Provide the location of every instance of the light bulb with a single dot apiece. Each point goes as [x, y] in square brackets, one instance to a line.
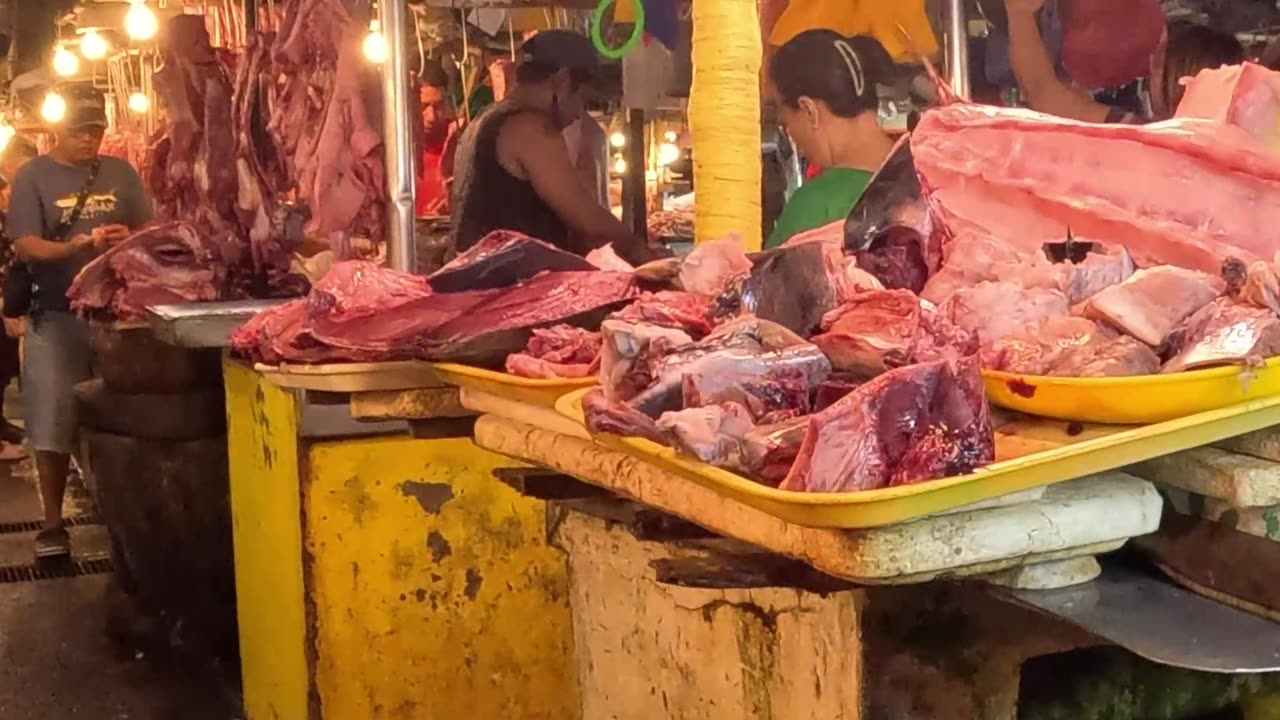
[617, 139]
[54, 108]
[668, 153]
[669, 136]
[140, 22]
[619, 166]
[139, 103]
[65, 63]
[6, 134]
[93, 46]
[375, 45]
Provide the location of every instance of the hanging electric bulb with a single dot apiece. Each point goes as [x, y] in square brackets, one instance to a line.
[617, 139]
[6, 134]
[375, 44]
[65, 62]
[93, 46]
[619, 165]
[668, 153]
[139, 103]
[54, 107]
[140, 22]
[669, 136]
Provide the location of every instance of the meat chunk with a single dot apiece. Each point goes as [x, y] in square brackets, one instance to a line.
[884, 329]
[1243, 95]
[629, 352]
[915, 423]
[1038, 347]
[560, 351]
[790, 286]
[709, 267]
[689, 312]
[501, 325]
[768, 451]
[501, 259]
[712, 434]
[1122, 356]
[1154, 301]
[1225, 333]
[603, 415]
[995, 310]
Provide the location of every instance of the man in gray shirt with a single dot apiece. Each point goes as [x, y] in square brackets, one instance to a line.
[57, 234]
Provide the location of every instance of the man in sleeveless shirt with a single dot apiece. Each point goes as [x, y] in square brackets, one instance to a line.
[513, 170]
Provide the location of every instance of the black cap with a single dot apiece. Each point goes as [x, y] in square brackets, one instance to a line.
[562, 49]
[86, 106]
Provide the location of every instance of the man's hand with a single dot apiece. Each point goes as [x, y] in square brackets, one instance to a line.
[83, 240]
[112, 234]
[1023, 7]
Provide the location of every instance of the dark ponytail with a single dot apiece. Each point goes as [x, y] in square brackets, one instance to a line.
[824, 65]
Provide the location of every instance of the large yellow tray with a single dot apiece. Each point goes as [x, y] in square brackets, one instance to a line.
[542, 392]
[1028, 454]
[1135, 400]
[353, 377]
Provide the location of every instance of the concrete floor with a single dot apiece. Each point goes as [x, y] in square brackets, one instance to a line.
[56, 661]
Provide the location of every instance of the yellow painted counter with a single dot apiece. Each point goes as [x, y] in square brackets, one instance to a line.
[388, 576]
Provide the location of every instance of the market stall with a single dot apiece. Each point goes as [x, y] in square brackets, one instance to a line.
[526, 484]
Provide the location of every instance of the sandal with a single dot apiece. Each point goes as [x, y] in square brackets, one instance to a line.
[53, 543]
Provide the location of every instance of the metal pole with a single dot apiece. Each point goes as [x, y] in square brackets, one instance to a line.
[635, 214]
[398, 137]
[957, 49]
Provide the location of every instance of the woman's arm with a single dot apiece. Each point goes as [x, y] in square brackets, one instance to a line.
[1037, 78]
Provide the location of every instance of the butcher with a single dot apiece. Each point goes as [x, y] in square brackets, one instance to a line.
[439, 131]
[65, 208]
[514, 171]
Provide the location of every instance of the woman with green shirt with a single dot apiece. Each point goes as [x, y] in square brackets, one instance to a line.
[825, 89]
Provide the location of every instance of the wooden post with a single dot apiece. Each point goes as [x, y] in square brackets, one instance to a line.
[724, 116]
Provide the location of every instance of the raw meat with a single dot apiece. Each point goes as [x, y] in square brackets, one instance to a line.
[490, 331]
[1226, 333]
[710, 266]
[790, 286]
[629, 353]
[558, 352]
[1121, 356]
[605, 258]
[768, 451]
[759, 332]
[164, 264]
[883, 329]
[397, 332]
[834, 388]
[270, 336]
[1261, 286]
[684, 311]
[970, 259]
[730, 366]
[1246, 95]
[359, 289]
[1184, 192]
[995, 310]
[770, 397]
[830, 234]
[915, 423]
[1038, 347]
[501, 259]
[1097, 272]
[712, 434]
[890, 230]
[1154, 301]
[602, 415]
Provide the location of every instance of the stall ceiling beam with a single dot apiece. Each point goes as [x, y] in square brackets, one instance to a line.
[398, 131]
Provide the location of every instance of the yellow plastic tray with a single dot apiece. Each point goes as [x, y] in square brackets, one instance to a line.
[353, 377]
[1029, 454]
[1135, 400]
[543, 392]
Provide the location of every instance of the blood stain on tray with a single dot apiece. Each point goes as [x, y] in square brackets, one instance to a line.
[1021, 388]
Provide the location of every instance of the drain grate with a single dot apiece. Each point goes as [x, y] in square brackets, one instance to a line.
[55, 569]
[32, 525]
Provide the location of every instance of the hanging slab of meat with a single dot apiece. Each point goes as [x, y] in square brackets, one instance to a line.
[630, 352]
[1183, 192]
[1154, 301]
[915, 423]
[688, 312]
[789, 286]
[501, 259]
[558, 352]
[1226, 332]
[1246, 96]
[890, 230]
[883, 329]
[710, 266]
[487, 333]
[163, 264]
[712, 434]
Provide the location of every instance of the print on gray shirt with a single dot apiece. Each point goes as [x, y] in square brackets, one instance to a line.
[45, 192]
